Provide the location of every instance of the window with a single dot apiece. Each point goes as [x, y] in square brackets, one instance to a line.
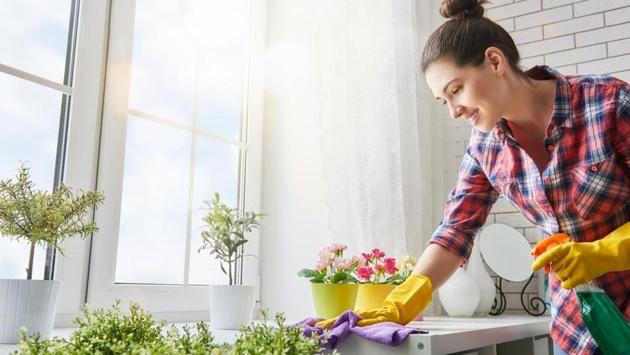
[175, 130]
[36, 89]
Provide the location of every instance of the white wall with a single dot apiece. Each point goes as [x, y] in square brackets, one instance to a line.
[292, 189]
[574, 37]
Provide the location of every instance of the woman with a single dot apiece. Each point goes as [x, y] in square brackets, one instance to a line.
[557, 147]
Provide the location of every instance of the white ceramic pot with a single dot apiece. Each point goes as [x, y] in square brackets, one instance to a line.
[27, 303]
[459, 295]
[231, 306]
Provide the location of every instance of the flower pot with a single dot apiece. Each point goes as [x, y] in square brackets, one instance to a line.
[231, 306]
[27, 303]
[333, 299]
[370, 296]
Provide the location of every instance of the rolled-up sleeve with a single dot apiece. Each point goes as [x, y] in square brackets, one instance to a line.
[466, 208]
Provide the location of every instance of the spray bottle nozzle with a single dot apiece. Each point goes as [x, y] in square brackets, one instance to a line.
[548, 243]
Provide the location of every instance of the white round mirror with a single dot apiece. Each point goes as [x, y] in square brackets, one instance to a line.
[506, 252]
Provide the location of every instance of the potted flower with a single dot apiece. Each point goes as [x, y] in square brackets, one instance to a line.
[40, 218]
[333, 285]
[378, 276]
[231, 305]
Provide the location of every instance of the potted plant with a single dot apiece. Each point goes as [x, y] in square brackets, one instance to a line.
[224, 236]
[333, 285]
[378, 276]
[40, 218]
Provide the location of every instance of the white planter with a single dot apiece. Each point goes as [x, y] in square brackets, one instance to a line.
[231, 306]
[26, 303]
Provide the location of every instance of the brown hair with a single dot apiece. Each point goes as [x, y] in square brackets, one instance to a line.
[466, 35]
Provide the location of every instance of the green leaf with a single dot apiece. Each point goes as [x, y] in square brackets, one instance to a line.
[339, 277]
[308, 273]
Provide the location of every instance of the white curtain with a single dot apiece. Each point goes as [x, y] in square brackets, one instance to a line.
[380, 144]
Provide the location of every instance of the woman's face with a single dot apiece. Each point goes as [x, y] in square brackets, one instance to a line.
[471, 93]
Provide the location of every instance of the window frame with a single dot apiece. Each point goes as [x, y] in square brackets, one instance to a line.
[169, 302]
[82, 145]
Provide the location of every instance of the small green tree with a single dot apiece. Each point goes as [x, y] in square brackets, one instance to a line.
[224, 236]
[41, 217]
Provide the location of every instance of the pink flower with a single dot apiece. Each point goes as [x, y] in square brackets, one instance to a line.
[379, 267]
[357, 261]
[390, 265]
[378, 253]
[338, 248]
[343, 264]
[365, 272]
[320, 267]
[326, 257]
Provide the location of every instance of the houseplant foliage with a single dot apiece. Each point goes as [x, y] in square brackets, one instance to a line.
[108, 331]
[376, 267]
[332, 267]
[43, 217]
[357, 282]
[101, 331]
[225, 235]
[276, 339]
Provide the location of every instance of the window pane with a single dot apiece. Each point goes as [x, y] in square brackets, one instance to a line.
[154, 206]
[183, 49]
[216, 171]
[29, 133]
[162, 66]
[221, 66]
[36, 31]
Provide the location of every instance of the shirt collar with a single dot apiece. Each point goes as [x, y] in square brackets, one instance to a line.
[561, 114]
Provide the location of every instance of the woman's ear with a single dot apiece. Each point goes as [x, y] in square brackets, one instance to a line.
[496, 60]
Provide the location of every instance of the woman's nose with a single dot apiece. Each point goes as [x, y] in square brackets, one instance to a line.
[455, 113]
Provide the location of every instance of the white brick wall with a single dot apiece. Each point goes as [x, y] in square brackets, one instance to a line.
[574, 37]
[584, 37]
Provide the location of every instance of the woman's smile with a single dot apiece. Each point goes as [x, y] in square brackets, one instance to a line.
[473, 117]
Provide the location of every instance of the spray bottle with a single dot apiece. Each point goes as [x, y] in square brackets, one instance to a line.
[602, 318]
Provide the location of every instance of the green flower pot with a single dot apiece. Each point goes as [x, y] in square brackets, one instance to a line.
[333, 299]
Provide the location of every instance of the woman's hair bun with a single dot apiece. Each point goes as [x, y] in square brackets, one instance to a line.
[462, 8]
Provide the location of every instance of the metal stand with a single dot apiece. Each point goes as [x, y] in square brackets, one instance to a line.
[500, 301]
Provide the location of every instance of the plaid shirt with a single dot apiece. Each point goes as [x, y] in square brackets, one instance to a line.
[584, 190]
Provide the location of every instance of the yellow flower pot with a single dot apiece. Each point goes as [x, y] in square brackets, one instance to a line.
[333, 299]
[372, 295]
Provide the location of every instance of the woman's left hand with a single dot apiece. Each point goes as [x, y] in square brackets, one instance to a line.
[576, 263]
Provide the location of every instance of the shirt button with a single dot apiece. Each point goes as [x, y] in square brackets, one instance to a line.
[594, 168]
[550, 147]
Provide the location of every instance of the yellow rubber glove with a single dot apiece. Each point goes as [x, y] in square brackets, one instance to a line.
[577, 263]
[401, 306]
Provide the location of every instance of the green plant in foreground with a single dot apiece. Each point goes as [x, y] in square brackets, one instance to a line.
[41, 217]
[108, 332]
[263, 338]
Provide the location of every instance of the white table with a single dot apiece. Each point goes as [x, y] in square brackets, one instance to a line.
[506, 334]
